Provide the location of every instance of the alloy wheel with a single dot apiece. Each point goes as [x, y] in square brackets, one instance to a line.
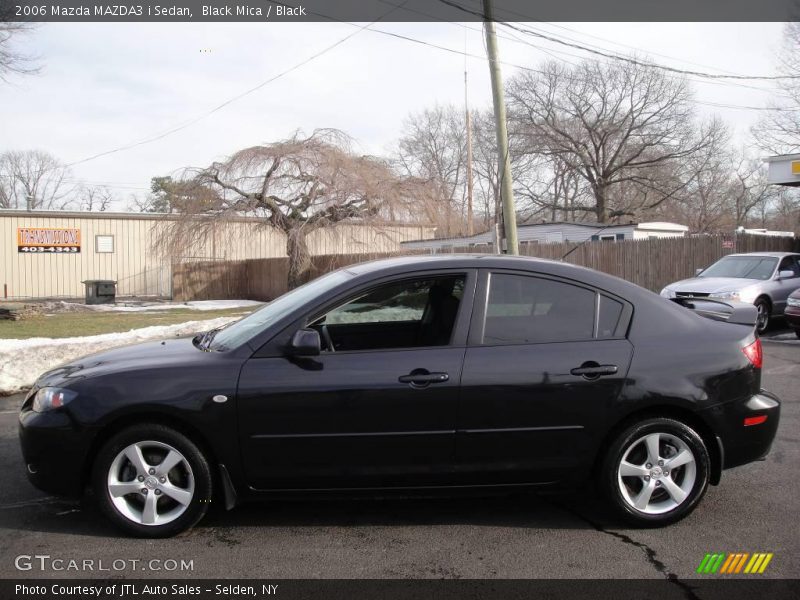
[150, 483]
[762, 320]
[657, 473]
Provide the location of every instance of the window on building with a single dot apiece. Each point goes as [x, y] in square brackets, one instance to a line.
[104, 244]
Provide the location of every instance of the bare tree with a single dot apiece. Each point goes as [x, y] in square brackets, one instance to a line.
[485, 167]
[12, 61]
[32, 178]
[778, 131]
[611, 124]
[297, 186]
[750, 189]
[94, 198]
[433, 150]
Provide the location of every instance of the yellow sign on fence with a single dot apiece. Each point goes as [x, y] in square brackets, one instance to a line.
[48, 239]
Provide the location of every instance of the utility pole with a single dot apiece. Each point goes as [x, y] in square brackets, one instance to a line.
[470, 224]
[504, 160]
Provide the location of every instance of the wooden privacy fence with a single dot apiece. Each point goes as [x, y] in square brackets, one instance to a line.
[651, 263]
[253, 279]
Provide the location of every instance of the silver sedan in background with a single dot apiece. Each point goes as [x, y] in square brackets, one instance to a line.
[764, 279]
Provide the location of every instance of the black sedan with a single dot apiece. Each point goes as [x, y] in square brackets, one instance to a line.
[413, 374]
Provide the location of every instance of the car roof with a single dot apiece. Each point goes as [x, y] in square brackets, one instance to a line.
[772, 254]
[454, 260]
[402, 264]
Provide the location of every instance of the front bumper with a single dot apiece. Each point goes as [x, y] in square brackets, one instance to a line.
[744, 443]
[792, 314]
[54, 450]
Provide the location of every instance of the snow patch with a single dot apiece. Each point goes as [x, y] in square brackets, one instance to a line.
[22, 361]
[159, 306]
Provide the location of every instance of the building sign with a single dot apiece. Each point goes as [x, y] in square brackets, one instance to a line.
[48, 239]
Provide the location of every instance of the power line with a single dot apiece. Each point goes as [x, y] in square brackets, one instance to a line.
[528, 18]
[548, 51]
[234, 99]
[627, 59]
[370, 27]
[540, 72]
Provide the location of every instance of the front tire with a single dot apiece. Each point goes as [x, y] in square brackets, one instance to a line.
[762, 320]
[152, 481]
[655, 472]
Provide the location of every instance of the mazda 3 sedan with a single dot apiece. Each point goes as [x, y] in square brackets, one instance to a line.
[411, 374]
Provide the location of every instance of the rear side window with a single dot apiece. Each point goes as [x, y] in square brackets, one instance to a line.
[531, 310]
[608, 316]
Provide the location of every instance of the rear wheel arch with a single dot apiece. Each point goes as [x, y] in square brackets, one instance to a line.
[684, 415]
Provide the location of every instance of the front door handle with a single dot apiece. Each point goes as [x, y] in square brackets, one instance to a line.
[593, 370]
[422, 378]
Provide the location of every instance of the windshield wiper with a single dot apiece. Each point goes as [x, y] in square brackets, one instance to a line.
[205, 339]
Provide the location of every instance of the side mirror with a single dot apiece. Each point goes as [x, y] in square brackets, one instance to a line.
[305, 342]
[787, 274]
[698, 271]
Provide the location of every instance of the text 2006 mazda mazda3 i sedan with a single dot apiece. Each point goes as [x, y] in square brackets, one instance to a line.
[411, 374]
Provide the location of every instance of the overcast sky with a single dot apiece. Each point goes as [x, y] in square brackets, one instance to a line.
[103, 86]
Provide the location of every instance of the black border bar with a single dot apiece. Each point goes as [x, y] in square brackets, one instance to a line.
[710, 588]
[366, 11]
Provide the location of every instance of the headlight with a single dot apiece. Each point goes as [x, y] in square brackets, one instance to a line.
[725, 295]
[793, 302]
[667, 293]
[49, 398]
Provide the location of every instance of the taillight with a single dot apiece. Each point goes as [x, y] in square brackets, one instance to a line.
[754, 354]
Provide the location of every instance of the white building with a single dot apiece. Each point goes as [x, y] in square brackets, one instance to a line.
[560, 231]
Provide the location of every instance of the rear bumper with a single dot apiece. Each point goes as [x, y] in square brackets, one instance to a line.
[744, 443]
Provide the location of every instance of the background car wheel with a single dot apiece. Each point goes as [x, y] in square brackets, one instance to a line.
[655, 472]
[797, 332]
[762, 321]
[152, 481]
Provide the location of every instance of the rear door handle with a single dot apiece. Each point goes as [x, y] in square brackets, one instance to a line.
[592, 370]
[421, 378]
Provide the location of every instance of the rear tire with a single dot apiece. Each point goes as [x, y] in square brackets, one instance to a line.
[655, 472]
[797, 332]
[152, 481]
[762, 321]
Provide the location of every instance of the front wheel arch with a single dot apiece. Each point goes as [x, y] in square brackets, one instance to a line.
[153, 418]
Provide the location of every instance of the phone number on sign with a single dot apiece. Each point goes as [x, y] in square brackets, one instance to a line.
[55, 249]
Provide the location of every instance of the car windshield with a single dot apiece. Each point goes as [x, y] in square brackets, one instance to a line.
[246, 329]
[744, 267]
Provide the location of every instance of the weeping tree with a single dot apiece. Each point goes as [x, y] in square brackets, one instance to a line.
[297, 186]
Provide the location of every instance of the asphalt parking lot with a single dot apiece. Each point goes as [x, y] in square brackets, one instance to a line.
[754, 510]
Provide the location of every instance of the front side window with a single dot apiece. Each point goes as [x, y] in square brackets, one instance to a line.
[258, 322]
[523, 309]
[402, 314]
[790, 264]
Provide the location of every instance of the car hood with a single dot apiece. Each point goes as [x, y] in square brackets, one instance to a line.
[712, 285]
[163, 354]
